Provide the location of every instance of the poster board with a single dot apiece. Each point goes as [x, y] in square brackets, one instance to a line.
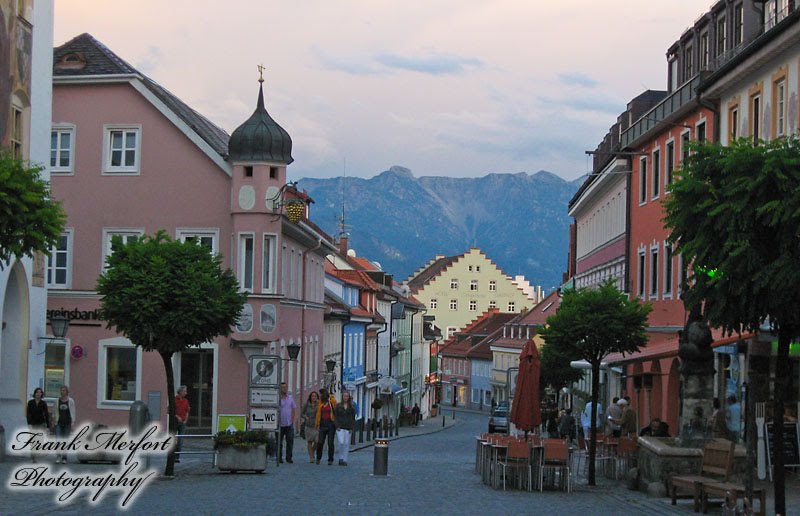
[791, 444]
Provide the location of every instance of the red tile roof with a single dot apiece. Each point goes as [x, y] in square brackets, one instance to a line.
[421, 279]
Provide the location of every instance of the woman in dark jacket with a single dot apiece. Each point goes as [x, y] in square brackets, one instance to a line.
[345, 423]
[38, 414]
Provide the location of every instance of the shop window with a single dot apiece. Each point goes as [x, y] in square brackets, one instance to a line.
[119, 371]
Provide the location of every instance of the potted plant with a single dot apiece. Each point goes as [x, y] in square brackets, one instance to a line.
[377, 404]
[243, 451]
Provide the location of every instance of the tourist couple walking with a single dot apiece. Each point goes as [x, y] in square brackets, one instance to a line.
[322, 419]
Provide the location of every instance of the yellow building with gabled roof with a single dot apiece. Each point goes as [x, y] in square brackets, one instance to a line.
[458, 289]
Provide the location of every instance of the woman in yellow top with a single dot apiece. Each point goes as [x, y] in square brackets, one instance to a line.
[325, 424]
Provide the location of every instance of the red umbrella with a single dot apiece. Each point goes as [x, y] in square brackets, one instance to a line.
[526, 412]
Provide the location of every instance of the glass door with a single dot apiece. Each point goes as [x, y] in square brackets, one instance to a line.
[197, 373]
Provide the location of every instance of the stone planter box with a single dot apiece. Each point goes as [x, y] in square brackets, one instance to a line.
[234, 459]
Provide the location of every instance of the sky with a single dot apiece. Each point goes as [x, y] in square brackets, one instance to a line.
[459, 88]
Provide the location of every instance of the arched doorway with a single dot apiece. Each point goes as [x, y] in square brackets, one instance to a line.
[14, 336]
[674, 396]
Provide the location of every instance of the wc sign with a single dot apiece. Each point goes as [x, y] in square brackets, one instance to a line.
[264, 418]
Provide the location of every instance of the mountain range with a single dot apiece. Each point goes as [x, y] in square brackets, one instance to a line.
[519, 220]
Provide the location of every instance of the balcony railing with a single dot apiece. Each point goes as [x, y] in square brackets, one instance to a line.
[663, 110]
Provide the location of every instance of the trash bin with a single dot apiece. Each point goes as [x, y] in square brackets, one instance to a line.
[380, 464]
[138, 417]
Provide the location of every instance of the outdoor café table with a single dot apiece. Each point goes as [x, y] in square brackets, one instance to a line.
[479, 441]
[498, 450]
[535, 458]
[486, 457]
[609, 447]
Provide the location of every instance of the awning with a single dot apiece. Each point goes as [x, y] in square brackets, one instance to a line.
[660, 345]
[664, 345]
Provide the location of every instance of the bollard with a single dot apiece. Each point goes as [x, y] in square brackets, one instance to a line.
[138, 417]
[2, 443]
[380, 462]
[454, 415]
[396, 430]
[361, 430]
[444, 418]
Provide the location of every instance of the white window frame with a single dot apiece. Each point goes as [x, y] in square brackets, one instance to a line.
[780, 108]
[758, 130]
[686, 137]
[652, 283]
[434, 304]
[473, 305]
[669, 174]
[492, 304]
[492, 285]
[51, 269]
[641, 281]
[183, 234]
[643, 181]
[268, 278]
[102, 346]
[512, 307]
[121, 170]
[473, 285]
[17, 130]
[61, 129]
[454, 304]
[453, 283]
[109, 233]
[656, 172]
[242, 237]
[701, 123]
[668, 266]
[451, 330]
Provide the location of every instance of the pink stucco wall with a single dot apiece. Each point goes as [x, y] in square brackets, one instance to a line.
[178, 186]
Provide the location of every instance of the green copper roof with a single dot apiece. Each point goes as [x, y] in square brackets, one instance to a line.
[260, 138]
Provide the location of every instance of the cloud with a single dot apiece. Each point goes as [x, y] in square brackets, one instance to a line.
[595, 103]
[433, 65]
[577, 79]
[348, 66]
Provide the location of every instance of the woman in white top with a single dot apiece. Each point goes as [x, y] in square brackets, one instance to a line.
[65, 417]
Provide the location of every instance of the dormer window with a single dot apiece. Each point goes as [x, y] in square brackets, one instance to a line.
[248, 171]
[71, 61]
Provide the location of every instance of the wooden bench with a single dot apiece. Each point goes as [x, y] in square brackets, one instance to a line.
[716, 466]
[721, 489]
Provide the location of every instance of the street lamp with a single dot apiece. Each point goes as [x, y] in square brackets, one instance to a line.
[330, 365]
[60, 325]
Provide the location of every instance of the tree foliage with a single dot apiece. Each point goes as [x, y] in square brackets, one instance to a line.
[166, 296]
[736, 212]
[555, 368]
[30, 221]
[590, 324]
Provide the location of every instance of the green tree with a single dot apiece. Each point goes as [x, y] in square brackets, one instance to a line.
[591, 323]
[555, 369]
[736, 212]
[166, 296]
[30, 221]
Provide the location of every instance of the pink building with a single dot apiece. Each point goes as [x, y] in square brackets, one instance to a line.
[131, 158]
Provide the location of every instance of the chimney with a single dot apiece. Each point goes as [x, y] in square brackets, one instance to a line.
[343, 245]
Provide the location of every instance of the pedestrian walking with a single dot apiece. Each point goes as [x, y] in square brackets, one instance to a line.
[566, 425]
[287, 418]
[38, 415]
[65, 417]
[182, 409]
[415, 414]
[586, 419]
[345, 423]
[307, 417]
[325, 424]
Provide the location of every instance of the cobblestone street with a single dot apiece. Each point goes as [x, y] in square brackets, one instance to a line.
[428, 472]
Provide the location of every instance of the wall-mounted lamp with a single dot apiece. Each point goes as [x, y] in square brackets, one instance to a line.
[60, 325]
[293, 350]
[330, 365]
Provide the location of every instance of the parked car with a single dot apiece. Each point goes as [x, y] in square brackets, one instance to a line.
[498, 422]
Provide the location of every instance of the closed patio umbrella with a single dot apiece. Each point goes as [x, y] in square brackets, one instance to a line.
[526, 412]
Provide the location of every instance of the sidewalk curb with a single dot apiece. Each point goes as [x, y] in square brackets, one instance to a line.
[364, 445]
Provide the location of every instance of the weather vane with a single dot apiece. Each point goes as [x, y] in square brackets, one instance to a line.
[261, 73]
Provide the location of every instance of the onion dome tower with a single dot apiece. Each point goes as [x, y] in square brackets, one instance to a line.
[260, 139]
